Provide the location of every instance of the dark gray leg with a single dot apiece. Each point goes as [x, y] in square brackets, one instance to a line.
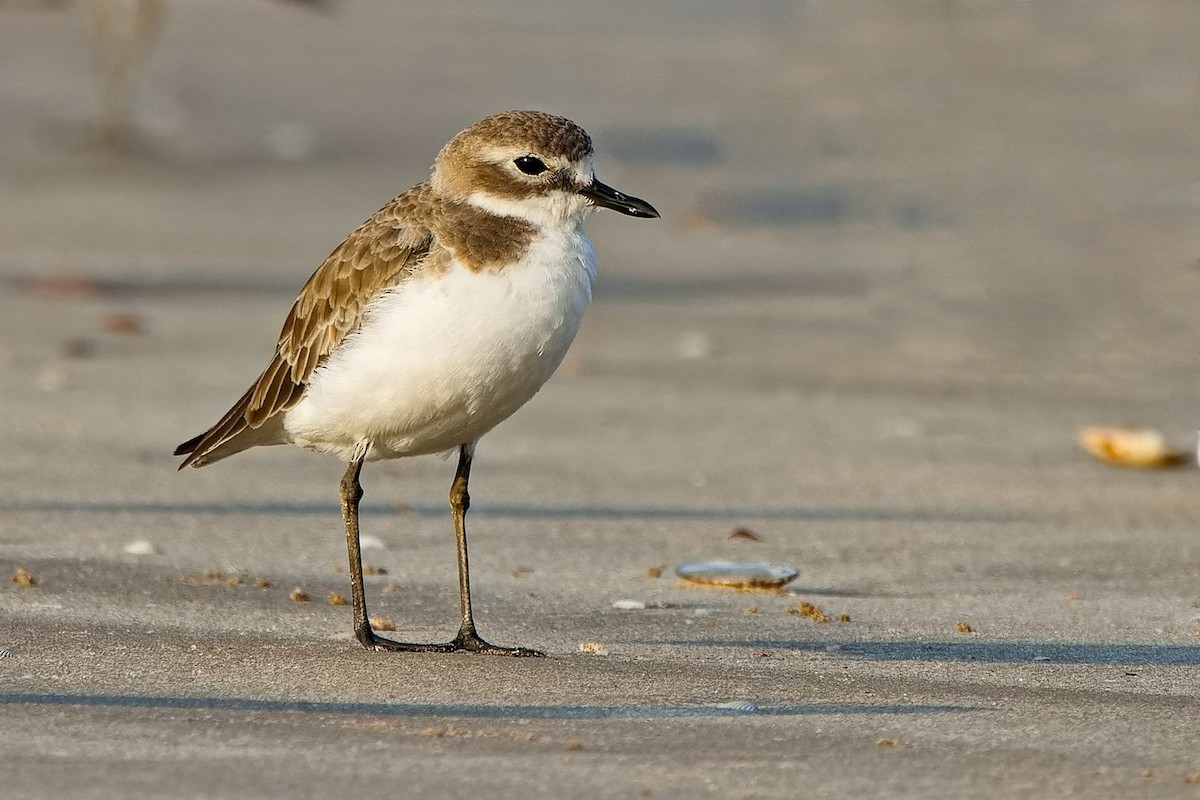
[351, 493]
[460, 501]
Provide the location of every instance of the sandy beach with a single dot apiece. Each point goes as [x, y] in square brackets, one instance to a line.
[907, 251]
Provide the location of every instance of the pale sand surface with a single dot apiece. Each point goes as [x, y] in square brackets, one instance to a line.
[907, 250]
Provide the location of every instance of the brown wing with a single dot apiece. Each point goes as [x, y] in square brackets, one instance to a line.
[383, 251]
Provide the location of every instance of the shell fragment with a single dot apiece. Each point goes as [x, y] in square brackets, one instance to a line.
[736, 575]
[1138, 448]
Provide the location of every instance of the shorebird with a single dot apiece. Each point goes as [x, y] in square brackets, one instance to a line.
[435, 320]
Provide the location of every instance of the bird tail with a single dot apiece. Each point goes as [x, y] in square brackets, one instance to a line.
[199, 448]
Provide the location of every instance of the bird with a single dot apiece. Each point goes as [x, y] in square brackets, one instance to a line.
[433, 322]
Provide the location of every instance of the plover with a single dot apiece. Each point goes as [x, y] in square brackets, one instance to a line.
[435, 320]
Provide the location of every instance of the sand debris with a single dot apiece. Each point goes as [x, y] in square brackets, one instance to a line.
[1136, 448]
[209, 578]
[445, 730]
[122, 323]
[23, 577]
[811, 611]
[744, 534]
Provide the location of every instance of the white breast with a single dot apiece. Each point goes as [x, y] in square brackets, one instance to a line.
[442, 359]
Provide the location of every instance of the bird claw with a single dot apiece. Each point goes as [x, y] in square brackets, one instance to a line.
[463, 643]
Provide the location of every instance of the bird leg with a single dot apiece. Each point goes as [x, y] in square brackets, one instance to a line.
[351, 494]
[460, 501]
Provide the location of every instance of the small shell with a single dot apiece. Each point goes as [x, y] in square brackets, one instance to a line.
[1141, 448]
[628, 605]
[737, 575]
[140, 547]
[593, 648]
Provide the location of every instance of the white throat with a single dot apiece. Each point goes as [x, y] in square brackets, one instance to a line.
[555, 210]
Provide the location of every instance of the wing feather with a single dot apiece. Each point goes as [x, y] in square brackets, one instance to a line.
[384, 251]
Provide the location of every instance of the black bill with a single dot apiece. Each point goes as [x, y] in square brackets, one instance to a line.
[608, 197]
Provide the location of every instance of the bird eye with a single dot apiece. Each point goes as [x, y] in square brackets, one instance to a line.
[530, 165]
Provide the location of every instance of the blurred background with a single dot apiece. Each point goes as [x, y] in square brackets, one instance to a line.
[994, 203]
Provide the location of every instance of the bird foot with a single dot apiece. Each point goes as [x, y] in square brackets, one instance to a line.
[463, 643]
[371, 641]
[469, 642]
